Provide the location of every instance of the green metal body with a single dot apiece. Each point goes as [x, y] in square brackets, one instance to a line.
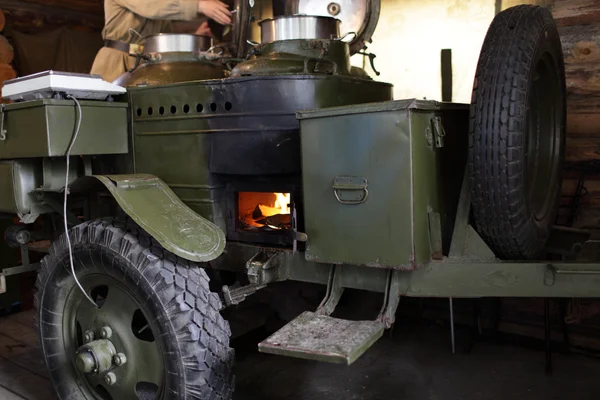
[386, 194]
[298, 57]
[185, 134]
[44, 128]
[151, 204]
[167, 68]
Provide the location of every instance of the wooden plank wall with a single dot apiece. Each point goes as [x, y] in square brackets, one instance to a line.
[579, 28]
[36, 16]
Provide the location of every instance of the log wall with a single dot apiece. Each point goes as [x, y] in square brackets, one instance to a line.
[579, 28]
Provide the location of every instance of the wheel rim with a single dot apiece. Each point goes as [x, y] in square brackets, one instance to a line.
[131, 334]
[543, 138]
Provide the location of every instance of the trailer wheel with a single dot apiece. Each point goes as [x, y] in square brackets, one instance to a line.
[157, 333]
[517, 132]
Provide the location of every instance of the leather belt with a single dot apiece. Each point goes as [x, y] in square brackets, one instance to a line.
[128, 48]
[117, 45]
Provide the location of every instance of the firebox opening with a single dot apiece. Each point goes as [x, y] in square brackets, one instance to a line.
[264, 212]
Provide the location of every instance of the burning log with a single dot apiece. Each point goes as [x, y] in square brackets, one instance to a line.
[264, 211]
[279, 220]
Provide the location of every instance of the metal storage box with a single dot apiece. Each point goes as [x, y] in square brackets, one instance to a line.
[381, 181]
[44, 128]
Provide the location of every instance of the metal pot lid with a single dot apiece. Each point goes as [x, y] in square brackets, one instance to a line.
[176, 43]
[357, 16]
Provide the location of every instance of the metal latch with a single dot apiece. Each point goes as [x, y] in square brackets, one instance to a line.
[2, 130]
[350, 190]
[438, 131]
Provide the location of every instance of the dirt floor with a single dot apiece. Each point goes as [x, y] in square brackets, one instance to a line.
[416, 363]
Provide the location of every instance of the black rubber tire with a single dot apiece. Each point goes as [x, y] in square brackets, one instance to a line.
[520, 65]
[193, 336]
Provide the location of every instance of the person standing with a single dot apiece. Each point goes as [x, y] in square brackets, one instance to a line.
[127, 21]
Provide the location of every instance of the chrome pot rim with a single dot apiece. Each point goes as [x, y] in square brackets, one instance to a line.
[279, 17]
[177, 43]
[294, 27]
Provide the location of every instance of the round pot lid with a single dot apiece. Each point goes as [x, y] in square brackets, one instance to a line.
[357, 16]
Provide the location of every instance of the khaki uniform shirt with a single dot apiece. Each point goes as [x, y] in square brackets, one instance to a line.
[147, 17]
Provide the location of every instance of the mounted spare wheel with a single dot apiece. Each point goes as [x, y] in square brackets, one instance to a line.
[517, 131]
[153, 330]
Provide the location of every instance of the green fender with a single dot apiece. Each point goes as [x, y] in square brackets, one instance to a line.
[154, 207]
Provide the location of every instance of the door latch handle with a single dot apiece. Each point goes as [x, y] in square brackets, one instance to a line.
[350, 190]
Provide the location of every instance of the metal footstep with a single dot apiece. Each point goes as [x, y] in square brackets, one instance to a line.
[323, 338]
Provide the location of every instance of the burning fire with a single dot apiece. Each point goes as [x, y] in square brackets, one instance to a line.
[281, 206]
[260, 210]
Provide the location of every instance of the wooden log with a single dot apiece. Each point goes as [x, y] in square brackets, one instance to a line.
[7, 53]
[33, 17]
[591, 199]
[2, 20]
[87, 6]
[582, 150]
[7, 72]
[583, 124]
[581, 49]
[576, 12]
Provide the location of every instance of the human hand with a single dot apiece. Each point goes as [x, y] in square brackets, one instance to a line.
[216, 10]
[203, 30]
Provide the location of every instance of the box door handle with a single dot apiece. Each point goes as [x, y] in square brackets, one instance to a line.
[350, 190]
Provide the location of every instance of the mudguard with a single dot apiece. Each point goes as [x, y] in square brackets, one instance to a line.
[154, 206]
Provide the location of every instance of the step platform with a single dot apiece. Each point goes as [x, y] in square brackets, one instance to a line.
[323, 338]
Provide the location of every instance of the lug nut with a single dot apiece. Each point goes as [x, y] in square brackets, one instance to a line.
[110, 379]
[85, 362]
[105, 332]
[89, 336]
[119, 359]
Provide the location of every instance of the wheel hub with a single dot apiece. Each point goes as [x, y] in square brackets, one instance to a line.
[112, 343]
[96, 357]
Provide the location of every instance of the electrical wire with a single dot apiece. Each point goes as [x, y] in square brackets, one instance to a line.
[68, 155]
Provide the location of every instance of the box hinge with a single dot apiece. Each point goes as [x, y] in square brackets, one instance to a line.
[438, 132]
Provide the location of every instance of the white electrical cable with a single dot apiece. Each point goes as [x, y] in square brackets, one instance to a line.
[68, 155]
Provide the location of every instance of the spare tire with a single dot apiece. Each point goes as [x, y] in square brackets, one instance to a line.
[517, 132]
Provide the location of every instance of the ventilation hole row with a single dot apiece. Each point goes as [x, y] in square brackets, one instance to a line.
[186, 109]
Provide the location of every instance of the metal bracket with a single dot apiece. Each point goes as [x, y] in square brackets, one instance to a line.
[435, 235]
[438, 131]
[20, 269]
[317, 61]
[262, 268]
[335, 290]
[2, 130]
[391, 300]
[57, 206]
[350, 190]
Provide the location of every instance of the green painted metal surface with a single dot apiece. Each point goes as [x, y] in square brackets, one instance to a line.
[18, 181]
[368, 201]
[298, 57]
[172, 68]
[152, 205]
[174, 126]
[44, 128]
